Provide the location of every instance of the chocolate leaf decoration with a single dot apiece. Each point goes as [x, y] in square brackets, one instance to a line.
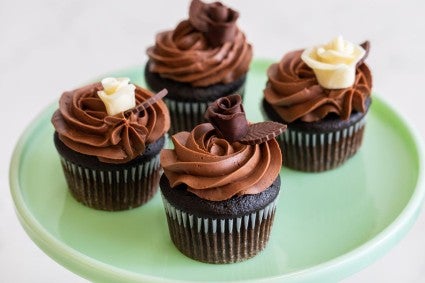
[145, 104]
[366, 47]
[216, 21]
[262, 132]
[227, 116]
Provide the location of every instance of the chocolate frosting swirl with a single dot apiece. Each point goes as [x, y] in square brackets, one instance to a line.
[188, 54]
[84, 125]
[216, 169]
[294, 93]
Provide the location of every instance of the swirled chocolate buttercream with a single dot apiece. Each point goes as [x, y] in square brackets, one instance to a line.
[295, 93]
[208, 48]
[84, 125]
[217, 164]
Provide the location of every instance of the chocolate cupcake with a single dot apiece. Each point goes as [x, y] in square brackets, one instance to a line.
[109, 136]
[204, 58]
[323, 94]
[220, 185]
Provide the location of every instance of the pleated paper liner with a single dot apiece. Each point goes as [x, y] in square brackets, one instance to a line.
[113, 190]
[220, 240]
[315, 152]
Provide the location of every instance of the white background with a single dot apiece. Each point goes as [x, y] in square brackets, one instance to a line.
[47, 47]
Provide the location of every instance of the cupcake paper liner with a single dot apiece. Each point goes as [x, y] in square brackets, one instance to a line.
[220, 240]
[113, 189]
[185, 115]
[315, 152]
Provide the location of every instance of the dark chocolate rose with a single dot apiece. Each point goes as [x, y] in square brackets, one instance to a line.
[227, 116]
[216, 21]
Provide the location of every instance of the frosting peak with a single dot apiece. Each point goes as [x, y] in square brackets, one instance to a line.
[84, 125]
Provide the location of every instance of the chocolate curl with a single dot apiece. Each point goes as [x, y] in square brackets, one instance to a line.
[216, 21]
[145, 104]
[366, 47]
[227, 116]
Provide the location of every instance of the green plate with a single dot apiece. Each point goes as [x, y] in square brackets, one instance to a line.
[328, 225]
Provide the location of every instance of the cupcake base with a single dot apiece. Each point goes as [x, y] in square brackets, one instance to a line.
[187, 104]
[319, 146]
[219, 232]
[111, 187]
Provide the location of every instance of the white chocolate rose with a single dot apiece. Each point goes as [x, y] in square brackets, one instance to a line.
[118, 95]
[334, 64]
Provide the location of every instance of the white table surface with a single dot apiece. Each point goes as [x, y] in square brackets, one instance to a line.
[47, 47]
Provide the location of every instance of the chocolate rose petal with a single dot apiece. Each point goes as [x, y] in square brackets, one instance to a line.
[218, 12]
[198, 16]
[227, 116]
[216, 21]
[261, 132]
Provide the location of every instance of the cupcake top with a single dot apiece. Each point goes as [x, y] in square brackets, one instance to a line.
[226, 157]
[310, 84]
[208, 48]
[112, 120]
